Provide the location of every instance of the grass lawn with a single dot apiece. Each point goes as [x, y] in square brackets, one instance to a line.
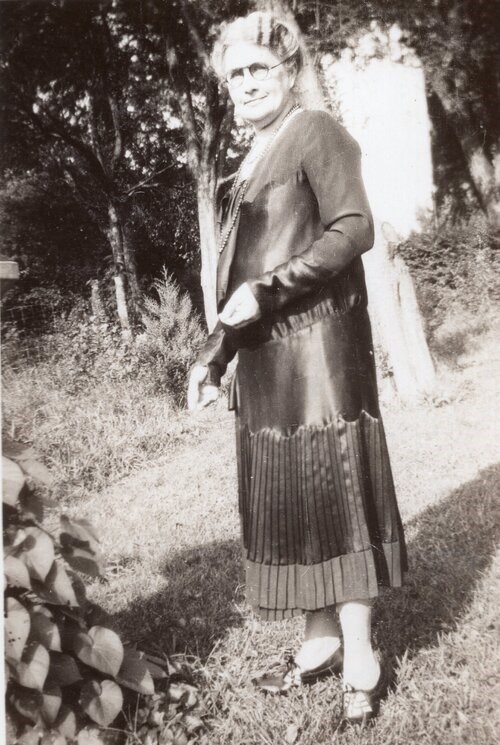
[170, 530]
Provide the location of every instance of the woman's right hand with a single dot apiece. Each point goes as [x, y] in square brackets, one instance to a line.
[200, 394]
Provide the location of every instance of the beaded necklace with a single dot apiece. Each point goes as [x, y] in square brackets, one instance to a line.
[243, 183]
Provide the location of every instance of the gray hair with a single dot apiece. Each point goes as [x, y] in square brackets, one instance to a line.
[263, 29]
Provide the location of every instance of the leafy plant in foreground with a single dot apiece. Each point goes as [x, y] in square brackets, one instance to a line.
[66, 670]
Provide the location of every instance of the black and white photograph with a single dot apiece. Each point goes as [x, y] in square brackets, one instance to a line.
[250, 359]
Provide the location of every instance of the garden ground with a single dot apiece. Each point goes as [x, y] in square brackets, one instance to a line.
[171, 533]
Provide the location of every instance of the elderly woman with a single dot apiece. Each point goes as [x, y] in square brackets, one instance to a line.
[320, 523]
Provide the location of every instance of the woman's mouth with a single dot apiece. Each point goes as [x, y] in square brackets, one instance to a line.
[253, 101]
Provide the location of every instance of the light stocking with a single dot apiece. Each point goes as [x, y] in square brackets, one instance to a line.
[361, 667]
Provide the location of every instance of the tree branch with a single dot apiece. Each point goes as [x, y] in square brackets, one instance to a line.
[58, 131]
[199, 46]
[145, 183]
[185, 103]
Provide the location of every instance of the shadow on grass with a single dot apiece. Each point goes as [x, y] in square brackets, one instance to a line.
[198, 605]
[450, 545]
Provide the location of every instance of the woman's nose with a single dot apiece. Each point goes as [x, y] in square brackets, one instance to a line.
[249, 82]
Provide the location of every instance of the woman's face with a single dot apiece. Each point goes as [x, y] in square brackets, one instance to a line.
[258, 101]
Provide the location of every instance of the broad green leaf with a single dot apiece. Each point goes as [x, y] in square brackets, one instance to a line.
[69, 630]
[51, 703]
[32, 506]
[16, 572]
[63, 670]
[66, 722]
[155, 670]
[27, 702]
[32, 671]
[37, 552]
[78, 587]
[83, 560]
[97, 616]
[45, 630]
[57, 588]
[134, 673]
[101, 649]
[35, 469]
[16, 629]
[12, 482]
[101, 701]
[28, 459]
[83, 530]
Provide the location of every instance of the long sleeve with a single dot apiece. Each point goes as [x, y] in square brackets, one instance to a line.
[216, 354]
[332, 164]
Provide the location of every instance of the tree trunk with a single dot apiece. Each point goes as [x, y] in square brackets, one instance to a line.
[205, 191]
[115, 237]
[397, 321]
[130, 261]
[123, 248]
[96, 302]
[483, 175]
[482, 169]
[121, 305]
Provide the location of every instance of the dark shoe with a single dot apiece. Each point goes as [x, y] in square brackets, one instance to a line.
[293, 677]
[358, 706]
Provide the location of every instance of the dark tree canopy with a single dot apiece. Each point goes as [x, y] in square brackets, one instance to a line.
[114, 125]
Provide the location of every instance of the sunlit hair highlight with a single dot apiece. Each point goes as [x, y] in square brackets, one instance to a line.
[265, 30]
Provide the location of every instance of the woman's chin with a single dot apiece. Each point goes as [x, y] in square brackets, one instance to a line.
[253, 113]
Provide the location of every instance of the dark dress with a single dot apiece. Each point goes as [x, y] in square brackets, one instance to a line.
[320, 522]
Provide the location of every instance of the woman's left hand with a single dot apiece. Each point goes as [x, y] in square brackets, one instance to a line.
[241, 309]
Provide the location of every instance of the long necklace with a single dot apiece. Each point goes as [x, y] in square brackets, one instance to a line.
[252, 160]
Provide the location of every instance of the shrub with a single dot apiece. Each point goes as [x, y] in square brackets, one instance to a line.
[63, 670]
[455, 267]
[84, 351]
[99, 408]
[171, 338]
[66, 669]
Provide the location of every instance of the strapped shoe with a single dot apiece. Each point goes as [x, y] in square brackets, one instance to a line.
[358, 706]
[293, 676]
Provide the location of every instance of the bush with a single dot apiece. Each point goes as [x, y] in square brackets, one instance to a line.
[455, 267]
[99, 408]
[171, 339]
[85, 351]
[63, 669]
[69, 674]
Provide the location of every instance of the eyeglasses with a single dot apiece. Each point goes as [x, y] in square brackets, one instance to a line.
[258, 71]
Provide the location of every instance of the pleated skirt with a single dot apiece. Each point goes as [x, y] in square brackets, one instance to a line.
[319, 517]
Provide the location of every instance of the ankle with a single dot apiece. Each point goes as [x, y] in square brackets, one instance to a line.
[362, 671]
[314, 652]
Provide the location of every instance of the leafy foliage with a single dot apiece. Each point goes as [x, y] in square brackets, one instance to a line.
[83, 350]
[456, 266]
[172, 336]
[457, 43]
[66, 672]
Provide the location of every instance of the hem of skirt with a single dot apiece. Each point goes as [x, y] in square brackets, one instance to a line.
[277, 591]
